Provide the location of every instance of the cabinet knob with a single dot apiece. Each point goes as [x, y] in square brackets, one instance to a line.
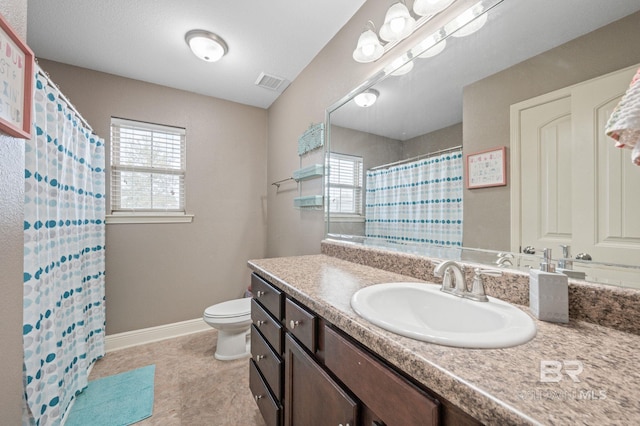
[293, 324]
[257, 397]
[259, 357]
[260, 322]
[259, 293]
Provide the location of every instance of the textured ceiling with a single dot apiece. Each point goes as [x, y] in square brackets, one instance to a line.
[144, 40]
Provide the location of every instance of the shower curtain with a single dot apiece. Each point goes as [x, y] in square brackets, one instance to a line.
[417, 202]
[64, 264]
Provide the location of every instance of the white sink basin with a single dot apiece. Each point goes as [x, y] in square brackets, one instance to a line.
[423, 312]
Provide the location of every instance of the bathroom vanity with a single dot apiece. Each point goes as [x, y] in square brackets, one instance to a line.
[315, 361]
[304, 369]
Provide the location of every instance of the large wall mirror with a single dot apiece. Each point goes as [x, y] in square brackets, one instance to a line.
[471, 95]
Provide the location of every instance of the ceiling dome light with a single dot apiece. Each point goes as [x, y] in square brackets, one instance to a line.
[469, 22]
[367, 98]
[369, 48]
[398, 23]
[430, 7]
[205, 45]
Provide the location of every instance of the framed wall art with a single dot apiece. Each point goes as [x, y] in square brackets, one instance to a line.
[16, 83]
[487, 168]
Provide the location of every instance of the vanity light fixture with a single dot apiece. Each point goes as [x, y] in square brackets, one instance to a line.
[469, 22]
[398, 69]
[366, 98]
[206, 45]
[369, 48]
[430, 47]
[398, 23]
[430, 7]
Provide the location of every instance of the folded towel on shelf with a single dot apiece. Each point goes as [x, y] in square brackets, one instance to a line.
[624, 124]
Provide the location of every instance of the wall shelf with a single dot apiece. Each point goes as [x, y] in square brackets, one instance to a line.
[308, 201]
[309, 172]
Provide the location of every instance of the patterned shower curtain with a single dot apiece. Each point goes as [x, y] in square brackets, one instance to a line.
[64, 263]
[418, 202]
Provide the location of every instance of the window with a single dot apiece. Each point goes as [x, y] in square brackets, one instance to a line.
[345, 184]
[147, 169]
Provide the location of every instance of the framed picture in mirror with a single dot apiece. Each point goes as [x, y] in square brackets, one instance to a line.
[487, 168]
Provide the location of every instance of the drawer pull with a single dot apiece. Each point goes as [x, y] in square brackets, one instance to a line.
[260, 322]
[260, 293]
[259, 357]
[257, 397]
[293, 324]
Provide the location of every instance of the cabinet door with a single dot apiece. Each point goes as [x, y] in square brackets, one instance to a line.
[382, 390]
[312, 398]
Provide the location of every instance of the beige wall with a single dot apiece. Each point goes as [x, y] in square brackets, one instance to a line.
[11, 250]
[331, 75]
[486, 123]
[444, 138]
[164, 273]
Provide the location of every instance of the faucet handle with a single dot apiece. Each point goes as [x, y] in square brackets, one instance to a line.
[477, 289]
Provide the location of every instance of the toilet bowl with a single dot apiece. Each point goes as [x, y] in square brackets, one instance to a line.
[232, 319]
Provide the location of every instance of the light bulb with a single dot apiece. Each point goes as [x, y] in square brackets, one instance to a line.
[368, 49]
[397, 25]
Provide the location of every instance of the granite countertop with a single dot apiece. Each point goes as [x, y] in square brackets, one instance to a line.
[496, 386]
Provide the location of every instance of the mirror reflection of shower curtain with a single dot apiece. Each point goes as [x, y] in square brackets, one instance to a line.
[418, 202]
[64, 261]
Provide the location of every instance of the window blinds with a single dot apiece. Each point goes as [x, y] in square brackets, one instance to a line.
[345, 179]
[147, 167]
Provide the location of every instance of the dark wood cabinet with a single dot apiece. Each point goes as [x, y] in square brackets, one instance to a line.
[312, 397]
[306, 372]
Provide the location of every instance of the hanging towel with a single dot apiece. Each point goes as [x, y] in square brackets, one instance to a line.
[624, 124]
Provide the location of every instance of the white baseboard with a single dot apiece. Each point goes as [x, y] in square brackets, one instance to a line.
[114, 342]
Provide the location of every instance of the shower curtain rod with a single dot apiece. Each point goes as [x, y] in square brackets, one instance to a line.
[64, 98]
[417, 157]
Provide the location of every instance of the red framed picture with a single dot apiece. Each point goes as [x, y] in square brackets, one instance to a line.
[487, 168]
[16, 83]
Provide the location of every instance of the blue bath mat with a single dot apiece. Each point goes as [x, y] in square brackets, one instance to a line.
[118, 400]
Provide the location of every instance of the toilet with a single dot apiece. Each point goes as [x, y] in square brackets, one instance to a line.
[232, 319]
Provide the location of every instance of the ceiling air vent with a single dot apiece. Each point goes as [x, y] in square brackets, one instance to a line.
[271, 82]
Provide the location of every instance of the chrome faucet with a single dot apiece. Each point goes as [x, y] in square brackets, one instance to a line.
[563, 263]
[459, 285]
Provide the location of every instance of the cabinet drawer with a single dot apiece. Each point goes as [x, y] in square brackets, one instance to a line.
[268, 362]
[381, 389]
[268, 296]
[269, 407]
[302, 324]
[270, 328]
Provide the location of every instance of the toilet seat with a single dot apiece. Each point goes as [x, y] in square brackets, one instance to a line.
[231, 309]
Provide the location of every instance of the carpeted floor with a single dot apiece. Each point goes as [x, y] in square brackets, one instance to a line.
[191, 386]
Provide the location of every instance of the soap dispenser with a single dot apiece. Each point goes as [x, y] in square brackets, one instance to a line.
[549, 292]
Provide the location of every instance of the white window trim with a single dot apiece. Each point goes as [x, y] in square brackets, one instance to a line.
[345, 218]
[148, 217]
[128, 218]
